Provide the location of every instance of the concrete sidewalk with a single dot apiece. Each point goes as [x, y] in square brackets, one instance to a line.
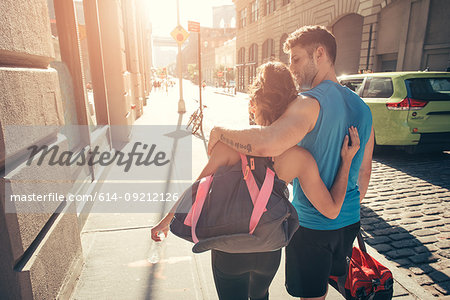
[121, 261]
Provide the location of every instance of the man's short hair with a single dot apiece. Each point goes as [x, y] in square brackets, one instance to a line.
[311, 37]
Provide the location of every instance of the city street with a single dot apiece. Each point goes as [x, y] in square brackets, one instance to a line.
[95, 146]
[404, 219]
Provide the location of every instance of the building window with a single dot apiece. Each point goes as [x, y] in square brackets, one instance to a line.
[255, 11]
[270, 6]
[252, 62]
[284, 57]
[241, 56]
[241, 69]
[233, 22]
[286, 2]
[268, 52]
[243, 18]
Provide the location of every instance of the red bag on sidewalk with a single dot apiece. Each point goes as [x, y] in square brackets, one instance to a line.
[366, 279]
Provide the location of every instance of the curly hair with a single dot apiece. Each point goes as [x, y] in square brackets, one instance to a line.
[273, 90]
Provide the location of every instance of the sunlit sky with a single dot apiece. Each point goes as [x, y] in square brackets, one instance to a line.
[163, 13]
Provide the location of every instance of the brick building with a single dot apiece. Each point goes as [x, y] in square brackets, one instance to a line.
[376, 35]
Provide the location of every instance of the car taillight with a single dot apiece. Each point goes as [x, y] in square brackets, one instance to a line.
[417, 104]
[407, 104]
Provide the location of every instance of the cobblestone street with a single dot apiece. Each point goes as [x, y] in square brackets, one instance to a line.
[406, 218]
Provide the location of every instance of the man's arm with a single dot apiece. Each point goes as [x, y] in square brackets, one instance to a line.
[366, 167]
[299, 119]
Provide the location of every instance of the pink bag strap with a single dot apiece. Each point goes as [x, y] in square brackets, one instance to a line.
[249, 179]
[196, 209]
[259, 198]
[261, 202]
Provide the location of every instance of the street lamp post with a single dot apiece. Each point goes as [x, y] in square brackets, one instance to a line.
[181, 105]
[200, 71]
[207, 76]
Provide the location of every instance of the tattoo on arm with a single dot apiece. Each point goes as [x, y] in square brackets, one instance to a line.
[227, 141]
[238, 146]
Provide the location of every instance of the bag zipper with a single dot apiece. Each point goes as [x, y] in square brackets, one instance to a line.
[368, 281]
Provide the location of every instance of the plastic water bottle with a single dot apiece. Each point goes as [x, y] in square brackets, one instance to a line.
[155, 250]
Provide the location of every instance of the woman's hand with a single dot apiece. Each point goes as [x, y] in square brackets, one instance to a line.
[162, 226]
[349, 151]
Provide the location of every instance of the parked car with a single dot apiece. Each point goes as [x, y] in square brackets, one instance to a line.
[410, 109]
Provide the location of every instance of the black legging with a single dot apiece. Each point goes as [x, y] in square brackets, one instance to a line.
[239, 276]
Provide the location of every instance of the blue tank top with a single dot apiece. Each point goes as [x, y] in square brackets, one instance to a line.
[340, 108]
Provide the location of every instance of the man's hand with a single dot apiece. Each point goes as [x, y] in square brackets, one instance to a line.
[213, 139]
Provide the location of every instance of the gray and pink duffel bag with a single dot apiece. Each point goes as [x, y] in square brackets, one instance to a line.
[242, 208]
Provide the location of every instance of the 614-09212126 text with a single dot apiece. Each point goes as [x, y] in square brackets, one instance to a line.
[102, 197]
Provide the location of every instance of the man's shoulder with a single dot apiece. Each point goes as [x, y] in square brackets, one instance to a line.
[362, 104]
[303, 102]
[360, 108]
[302, 113]
[320, 90]
[350, 95]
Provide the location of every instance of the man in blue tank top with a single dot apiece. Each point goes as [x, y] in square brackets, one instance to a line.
[317, 121]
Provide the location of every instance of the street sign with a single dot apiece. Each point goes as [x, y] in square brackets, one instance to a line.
[179, 34]
[219, 74]
[193, 26]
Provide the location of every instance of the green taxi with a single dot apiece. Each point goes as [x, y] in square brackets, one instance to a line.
[410, 109]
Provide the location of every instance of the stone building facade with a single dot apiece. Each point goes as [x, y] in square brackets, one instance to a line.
[372, 35]
[43, 83]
